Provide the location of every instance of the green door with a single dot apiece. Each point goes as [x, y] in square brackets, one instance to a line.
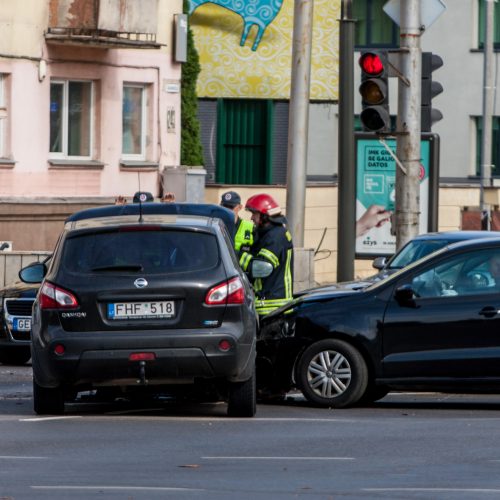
[244, 132]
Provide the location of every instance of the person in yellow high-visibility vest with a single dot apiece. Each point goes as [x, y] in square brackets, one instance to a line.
[245, 230]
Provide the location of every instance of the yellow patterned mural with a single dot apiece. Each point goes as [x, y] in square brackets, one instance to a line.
[262, 66]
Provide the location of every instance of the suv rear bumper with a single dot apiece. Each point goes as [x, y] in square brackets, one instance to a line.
[102, 358]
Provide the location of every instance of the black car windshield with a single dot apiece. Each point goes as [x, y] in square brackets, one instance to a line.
[151, 251]
[415, 250]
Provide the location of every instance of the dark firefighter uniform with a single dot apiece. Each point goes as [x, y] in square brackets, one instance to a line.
[274, 244]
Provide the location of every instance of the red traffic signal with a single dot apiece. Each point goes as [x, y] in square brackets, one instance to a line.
[371, 63]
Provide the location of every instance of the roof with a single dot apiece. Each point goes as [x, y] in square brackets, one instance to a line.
[192, 212]
[458, 235]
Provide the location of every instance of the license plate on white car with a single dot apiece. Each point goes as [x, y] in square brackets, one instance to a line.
[22, 324]
[141, 310]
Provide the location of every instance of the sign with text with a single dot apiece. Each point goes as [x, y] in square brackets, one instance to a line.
[376, 186]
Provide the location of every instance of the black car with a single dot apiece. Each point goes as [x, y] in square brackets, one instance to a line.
[144, 302]
[433, 325]
[16, 302]
[415, 249]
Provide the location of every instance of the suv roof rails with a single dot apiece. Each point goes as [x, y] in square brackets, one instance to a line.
[200, 209]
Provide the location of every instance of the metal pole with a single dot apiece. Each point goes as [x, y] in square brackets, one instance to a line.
[298, 125]
[488, 95]
[408, 127]
[346, 222]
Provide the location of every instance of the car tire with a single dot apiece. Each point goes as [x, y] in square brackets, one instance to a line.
[332, 373]
[373, 393]
[48, 401]
[15, 356]
[242, 401]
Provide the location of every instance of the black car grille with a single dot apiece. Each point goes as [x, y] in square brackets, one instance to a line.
[16, 307]
[20, 335]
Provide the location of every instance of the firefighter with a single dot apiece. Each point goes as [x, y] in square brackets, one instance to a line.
[244, 237]
[273, 244]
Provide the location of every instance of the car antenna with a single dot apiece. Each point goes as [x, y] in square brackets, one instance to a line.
[140, 201]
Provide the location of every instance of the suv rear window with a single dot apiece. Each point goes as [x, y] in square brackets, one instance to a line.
[150, 251]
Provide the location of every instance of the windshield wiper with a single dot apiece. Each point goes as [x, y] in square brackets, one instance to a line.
[119, 267]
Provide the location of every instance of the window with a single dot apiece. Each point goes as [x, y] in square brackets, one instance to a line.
[71, 119]
[244, 141]
[466, 274]
[373, 27]
[496, 24]
[495, 144]
[134, 122]
[3, 116]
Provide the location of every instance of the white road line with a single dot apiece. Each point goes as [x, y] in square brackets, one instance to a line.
[43, 419]
[115, 488]
[434, 490]
[278, 458]
[7, 457]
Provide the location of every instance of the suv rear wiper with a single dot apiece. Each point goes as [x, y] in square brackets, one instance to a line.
[119, 267]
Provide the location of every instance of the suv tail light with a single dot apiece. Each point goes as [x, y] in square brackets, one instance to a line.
[53, 297]
[230, 292]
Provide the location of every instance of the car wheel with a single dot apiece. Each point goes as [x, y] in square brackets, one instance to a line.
[15, 355]
[332, 373]
[242, 400]
[48, 401]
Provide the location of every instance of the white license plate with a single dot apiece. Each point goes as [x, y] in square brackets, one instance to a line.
[22, 324]
[141, 310]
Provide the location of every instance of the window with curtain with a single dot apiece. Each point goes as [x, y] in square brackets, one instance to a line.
[495, 144]
[373, 27]
[134, 122]
[496, 24]
[71, 119]
[3, 116]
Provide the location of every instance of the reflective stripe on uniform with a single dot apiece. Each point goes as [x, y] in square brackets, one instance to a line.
[288, 275]
[245, 260]
[270, 256]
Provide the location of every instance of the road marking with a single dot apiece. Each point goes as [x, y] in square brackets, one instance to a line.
[7, 457]
[278, 458]
[43, 419]
[435, 490]
[115, 488]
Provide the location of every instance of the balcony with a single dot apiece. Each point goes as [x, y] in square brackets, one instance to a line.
[103, 23]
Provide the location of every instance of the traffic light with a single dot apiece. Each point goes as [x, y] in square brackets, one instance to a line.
[430, 89]
[374, 91]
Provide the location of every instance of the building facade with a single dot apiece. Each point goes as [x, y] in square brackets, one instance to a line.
[89, 108]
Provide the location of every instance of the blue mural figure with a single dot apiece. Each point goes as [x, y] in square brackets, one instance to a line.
[258, 12]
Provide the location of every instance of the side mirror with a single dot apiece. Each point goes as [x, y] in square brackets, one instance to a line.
[379, 263]
[34, 273]
[260, 269]
[405, 294]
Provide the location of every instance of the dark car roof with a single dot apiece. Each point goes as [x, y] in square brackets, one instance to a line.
[126, 220]
[136, 209]
[457, 235]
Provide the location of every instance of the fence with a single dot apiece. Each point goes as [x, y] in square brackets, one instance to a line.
[12, 262]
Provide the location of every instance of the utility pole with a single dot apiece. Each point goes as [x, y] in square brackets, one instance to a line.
[408, 125]
[488, 94]
[346, 214]
[298, 124]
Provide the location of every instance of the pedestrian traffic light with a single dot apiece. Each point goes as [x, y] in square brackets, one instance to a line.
[430, 89]
[374, 91]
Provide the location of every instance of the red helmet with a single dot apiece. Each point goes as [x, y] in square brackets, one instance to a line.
[264, 204]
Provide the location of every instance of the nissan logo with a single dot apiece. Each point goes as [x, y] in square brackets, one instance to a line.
[140, 283]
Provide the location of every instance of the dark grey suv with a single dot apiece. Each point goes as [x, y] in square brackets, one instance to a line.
[143, 302]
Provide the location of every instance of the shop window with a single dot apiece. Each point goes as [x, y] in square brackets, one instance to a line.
[71, 119]
[244, 141]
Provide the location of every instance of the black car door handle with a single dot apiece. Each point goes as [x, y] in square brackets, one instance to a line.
[489, 311]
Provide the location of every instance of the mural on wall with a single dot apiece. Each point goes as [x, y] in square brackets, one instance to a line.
[234, 67]
[258, 13]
